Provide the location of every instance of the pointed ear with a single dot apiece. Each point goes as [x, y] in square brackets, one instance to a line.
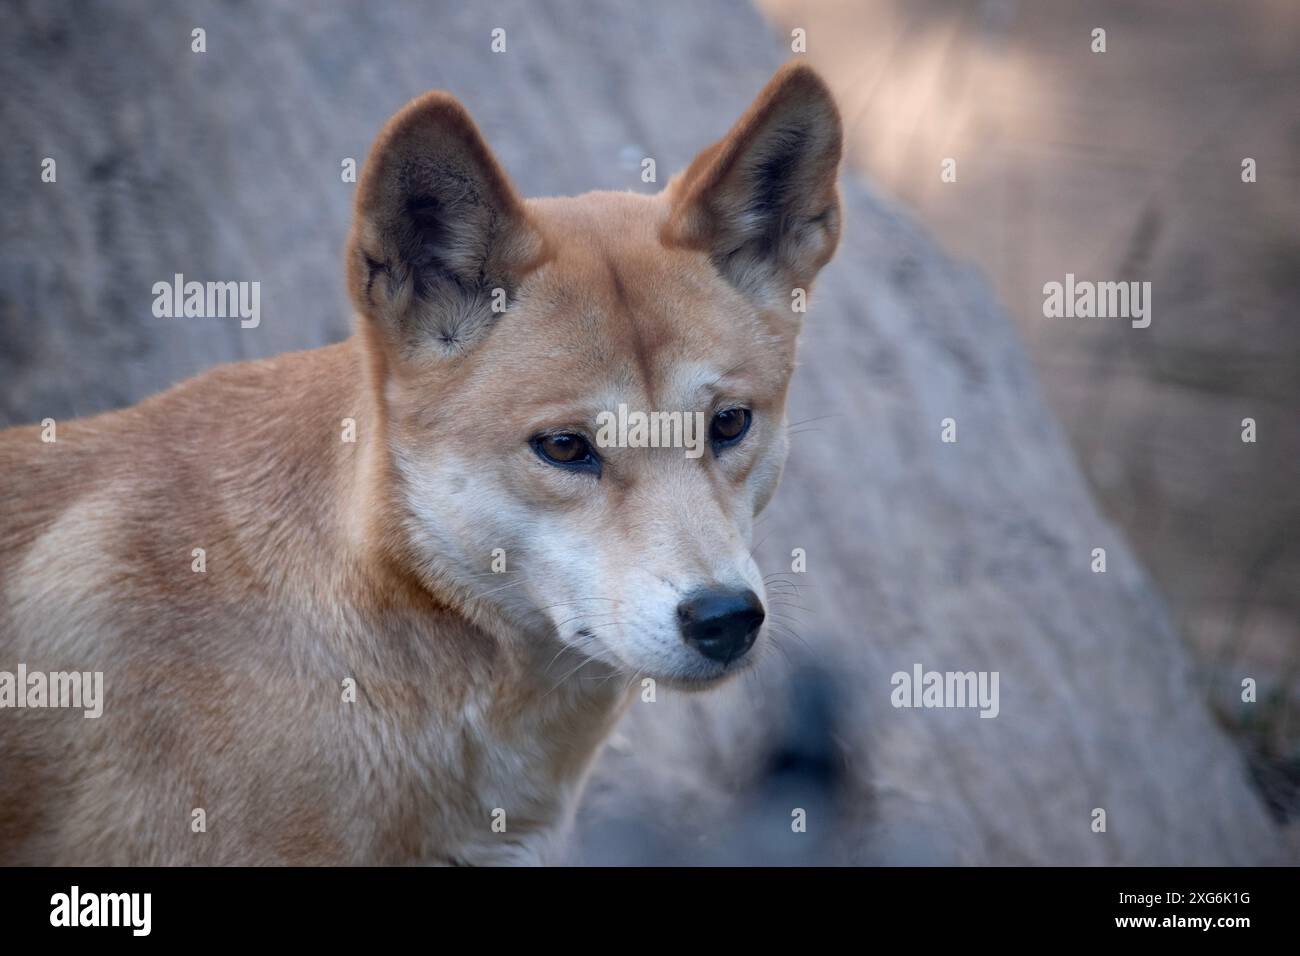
[763, 202]
[440, 240]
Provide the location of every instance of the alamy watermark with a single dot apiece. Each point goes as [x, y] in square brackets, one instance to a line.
[209, 300]
[75, 689]
[1102, 300]
[130, 910]
[631, 429]
[944, 689]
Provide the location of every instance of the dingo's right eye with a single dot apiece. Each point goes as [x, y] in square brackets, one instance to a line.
[566, 450]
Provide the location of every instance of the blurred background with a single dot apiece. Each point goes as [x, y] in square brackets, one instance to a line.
[1122, 690]
[1126, 165]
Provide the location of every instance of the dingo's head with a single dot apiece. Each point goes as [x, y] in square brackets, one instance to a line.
[505, 334]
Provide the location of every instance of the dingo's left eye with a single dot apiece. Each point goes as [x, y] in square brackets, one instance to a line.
[729, 426]
[566, 450]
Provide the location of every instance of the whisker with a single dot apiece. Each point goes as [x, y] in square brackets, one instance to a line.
[579, 617]
[815, 418]
[760, 544]
[587, 659]
[792, 633]
[782, 617]
[512, 584]
[777, 646]
[796, 607]
[782, 590]
[547, 607]
[727, 372]
[781, 578]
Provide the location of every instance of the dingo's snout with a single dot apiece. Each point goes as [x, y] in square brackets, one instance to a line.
[721, 624]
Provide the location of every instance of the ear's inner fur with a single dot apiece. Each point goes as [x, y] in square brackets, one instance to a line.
[440, 239]
[773, 211]
[763, 202]
[446, 244]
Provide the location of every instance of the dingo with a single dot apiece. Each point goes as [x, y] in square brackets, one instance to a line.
[285, 568]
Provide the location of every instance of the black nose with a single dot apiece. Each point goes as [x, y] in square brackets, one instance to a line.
[721, 625]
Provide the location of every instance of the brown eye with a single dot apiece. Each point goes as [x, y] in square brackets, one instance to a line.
[729, 426]
[566, 450]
